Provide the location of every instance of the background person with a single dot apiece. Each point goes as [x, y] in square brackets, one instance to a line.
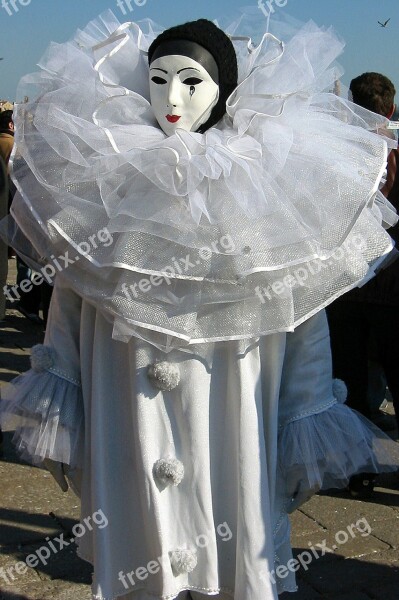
[40, 295]
[364, 323]
[3, 252]
[3, 246]
[6, 135]
[6, 146]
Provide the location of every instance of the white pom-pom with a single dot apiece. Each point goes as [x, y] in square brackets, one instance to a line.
[169, 471]
[165, 376]
[42, 358]
[340, 391]
[183, 561]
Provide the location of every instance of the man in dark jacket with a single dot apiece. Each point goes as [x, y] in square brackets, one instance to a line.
[364, 323]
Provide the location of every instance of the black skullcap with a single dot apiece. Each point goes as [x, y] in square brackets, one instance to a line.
[214, 40]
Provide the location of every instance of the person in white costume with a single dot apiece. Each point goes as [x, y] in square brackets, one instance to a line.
[208, 212]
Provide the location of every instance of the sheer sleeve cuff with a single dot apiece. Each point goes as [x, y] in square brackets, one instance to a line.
[323, 450]
[46, 410]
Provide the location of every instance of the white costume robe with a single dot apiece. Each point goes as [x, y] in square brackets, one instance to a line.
[256, 427]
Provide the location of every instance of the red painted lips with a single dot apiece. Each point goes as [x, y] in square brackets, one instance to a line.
[173, 118]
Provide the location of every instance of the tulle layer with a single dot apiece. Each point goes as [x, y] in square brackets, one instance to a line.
[185, 239]
[324, 450]
[46, 412]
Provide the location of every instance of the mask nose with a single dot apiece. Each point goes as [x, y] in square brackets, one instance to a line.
[173, 98]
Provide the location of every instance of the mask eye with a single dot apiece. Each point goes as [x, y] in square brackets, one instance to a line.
[192, 81]
[158, 80]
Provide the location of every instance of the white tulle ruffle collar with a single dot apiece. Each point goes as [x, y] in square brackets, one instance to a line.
[288, 177]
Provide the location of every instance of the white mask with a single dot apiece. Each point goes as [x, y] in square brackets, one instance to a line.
[182, 93]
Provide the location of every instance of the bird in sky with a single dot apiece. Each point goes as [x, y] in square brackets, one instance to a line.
[384, 24]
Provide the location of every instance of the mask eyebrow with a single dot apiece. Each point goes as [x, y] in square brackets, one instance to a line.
[188, 69]
[157, 69]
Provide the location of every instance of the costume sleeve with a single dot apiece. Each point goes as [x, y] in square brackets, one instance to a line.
[44, 405]
[322, 442]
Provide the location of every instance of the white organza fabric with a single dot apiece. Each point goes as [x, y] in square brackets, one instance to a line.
[48, 418]
[322, 451]
[245, 230]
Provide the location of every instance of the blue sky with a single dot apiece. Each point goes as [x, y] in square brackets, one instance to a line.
[27, 31]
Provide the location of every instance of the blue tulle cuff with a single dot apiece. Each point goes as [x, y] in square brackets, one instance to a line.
[46, 411]
[324, 450]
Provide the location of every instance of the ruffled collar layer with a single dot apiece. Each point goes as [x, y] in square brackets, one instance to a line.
[288, 177]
